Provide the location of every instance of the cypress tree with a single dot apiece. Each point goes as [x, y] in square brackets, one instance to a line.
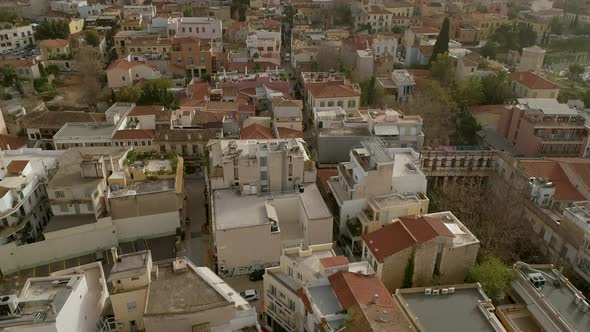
[442, 41]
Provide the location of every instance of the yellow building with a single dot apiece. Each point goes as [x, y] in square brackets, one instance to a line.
[488, 23]
[55, 49]
[76, 25]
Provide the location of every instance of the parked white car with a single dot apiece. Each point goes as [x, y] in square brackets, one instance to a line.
[249, 295]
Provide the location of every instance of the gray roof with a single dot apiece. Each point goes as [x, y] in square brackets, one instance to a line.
[130, 265]
[457, 312]
[76, 130]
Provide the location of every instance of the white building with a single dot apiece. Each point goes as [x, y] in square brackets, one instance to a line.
[14, 37]
[375, 170]
[68, 300]
[249, 231]
[264, 45]
[299, 267]
[23, 203]
[145, 11]
[201, 27]
[86, 11]
[67, 6]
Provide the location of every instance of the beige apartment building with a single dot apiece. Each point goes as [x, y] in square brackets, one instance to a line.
[439, 244]
[287, 113]
[329, 95]
[260, 166]
[173, 295]
[299, 267]
[250, 231]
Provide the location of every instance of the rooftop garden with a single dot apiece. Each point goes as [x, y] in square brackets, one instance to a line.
[141, 159]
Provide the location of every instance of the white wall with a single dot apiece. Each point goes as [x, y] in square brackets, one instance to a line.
[62, 244]
[147, 226]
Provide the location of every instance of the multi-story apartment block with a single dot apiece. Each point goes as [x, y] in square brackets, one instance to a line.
[200, 27]
[287, 113]
[299, 267]
[143, 43]
[438, 243]
[68, 300]
[249, 230]
[400, 84]
[23, 203]
[540, 291]
[577, 222]
[374, 170]
[15, 37]
[264, 45]
[191, 57]
[67, 6]
[189, 297]
[544, 127]
[264, 166]
[530, 85]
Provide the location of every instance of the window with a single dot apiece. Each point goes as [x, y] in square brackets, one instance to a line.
[179, 60]
[191, 61]
[202, 60]
[142, 143]
[290, 272]
[122, 78]
[60, 194]
[351, 103]
[131, 306]
[299, 276]
[322, 104]
[135, 143]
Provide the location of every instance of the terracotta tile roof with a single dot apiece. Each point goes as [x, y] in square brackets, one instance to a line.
[533, 81]
[353, 288]
[53, 43]
[488, 109]
[578, 170]
[324, 174]
[134, 134]
[289, 133]
[401, 235]
[8, 142]
[332, 91]
[244, 108]
[334, 261]
[198, 90]
[205, 117]
[256, 131]
[56, 119]
[424, 30]
[378, 10]
[126, 65]
[146, 110]
[17, 166]
[551, 169]
[304, 299]
[372, 318]
[281, 86]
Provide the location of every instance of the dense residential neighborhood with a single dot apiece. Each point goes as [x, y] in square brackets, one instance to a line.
[295, 166]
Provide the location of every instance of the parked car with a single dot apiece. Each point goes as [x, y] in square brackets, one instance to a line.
[249, 295]
[256, 275]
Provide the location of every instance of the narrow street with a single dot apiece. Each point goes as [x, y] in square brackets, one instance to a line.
[196, 244]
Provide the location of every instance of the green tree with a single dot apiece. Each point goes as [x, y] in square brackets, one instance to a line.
[368, 92]
[8, 75]
[129, 94]
[92, 37]
[575, 71]
[471, 93]
[556, 27]
[187, 12]
[409, 273]
[490, 49]
[496, 88]
[493, 275]
[441, 45]
[586, 98]
[397, 29]
[467, 128]
[442, 69]
[53, 29]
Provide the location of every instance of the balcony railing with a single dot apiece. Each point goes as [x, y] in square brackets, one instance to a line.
[562, 138]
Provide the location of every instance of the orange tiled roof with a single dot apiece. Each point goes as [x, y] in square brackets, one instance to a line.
[145, 110]
[51, 43]
[533, 81]
[8, 142]
[332, 91]
[289, 133]
[17, 166]
[134, 134]
[124, 64]
[334, 261]
[256, 131]
[551, 169]
[354, 288]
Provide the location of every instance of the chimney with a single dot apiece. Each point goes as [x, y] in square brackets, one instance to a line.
[375, 298]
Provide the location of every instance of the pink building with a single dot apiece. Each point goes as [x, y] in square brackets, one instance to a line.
[543, 127]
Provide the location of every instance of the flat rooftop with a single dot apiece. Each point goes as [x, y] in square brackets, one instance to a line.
[181, 292]
[57, 223]
[232, 210]
[457, 312]
[547, 106]
[325, 298]
[130, 265]
[86, 130]
[144, 187]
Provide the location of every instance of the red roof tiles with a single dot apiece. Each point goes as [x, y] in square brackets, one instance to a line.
[332, 91]
[533, 81]
[52, 43]
[334, 261]
[124, 64]
[11, 142]
[145, 110]
[256, 131]
[551, 169]
[134, 134]
[17, 166]
[289, 133]
[353, 288]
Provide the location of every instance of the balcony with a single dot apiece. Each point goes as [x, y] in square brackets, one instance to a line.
[580, 139]
[354, 227]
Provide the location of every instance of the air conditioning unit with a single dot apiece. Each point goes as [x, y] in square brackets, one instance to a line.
[451, 290]
[445, 291]
[428, 291]
[8, 305]
[435, 291]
